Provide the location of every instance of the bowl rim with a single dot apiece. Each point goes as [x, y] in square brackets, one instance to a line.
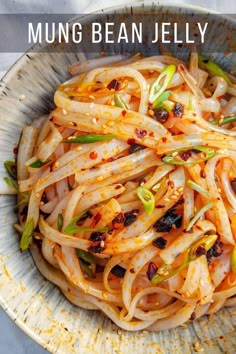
[35, 50]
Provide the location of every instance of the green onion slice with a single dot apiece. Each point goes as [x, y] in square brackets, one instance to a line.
[198, 215]
[172, 160]
[162, 98]
[38, 163]
[156, 187]
[72, 228]
[87, 268]
[233, 260]
[223, 121]
[72, 225]
[162, 82]
[197, 188]
[147, 199]
[59, 222]
[86, 256]
[10, 166]
[165, 271]
[10, 183]
[119, 102]
[90, 138]
[27, 235]
[212, 68]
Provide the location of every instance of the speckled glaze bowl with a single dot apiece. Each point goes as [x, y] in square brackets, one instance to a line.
[36, 305]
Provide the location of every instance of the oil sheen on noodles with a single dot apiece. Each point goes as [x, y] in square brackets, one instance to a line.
[126, 191]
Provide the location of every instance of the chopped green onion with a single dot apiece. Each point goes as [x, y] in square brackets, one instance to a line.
[212, 68]
[171, 158]
[119, 102]
[206, 241]
[147, 199]
[168, 105]
[190, 104]
[90, 138]
[86, 256]
[233, 260]
[38, 163]
[162, 98]
[10, 166]
[72, 224]
[165, 271]
[198, 215]
[198, 188]
[10, 183]
[87, 268]
[156, 187]
[27, 235]
[59, 222]
[158, 87]
[70, 230]
[224, 120]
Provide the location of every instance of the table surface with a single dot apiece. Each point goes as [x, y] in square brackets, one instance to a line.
[12, 339]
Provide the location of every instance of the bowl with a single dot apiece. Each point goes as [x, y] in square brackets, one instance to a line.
[35, 304]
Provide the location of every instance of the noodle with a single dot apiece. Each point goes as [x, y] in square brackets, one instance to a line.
[131, 190]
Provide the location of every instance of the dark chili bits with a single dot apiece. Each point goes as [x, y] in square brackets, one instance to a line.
[164, 224]
[161, 114]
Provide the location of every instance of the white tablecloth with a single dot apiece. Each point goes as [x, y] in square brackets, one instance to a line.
[12, 339]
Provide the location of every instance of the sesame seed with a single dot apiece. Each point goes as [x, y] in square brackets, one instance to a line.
[91, 97]
[78, 148]
[151, 112]
[196, 345]
[94, 120]
[174, 197]
[112, 103]
[180, 189]
[64, 111]
[100, 330]
[160, 271]
[21, 97]
[37, 195]
[119, 332]
[110, 123]
[104, 126]
[100, 178]
[166, 273]
[151, 71]
[176, 193]
[102, 243]
[175, 154]
[56, 164]
[187, 294]
[166, 199]
[87, 114]
[41, 203]
[202, 155]
[71, 123]
[91, 104]
[219, 190]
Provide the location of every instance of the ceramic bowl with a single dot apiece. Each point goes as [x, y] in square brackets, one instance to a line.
[35, 304]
